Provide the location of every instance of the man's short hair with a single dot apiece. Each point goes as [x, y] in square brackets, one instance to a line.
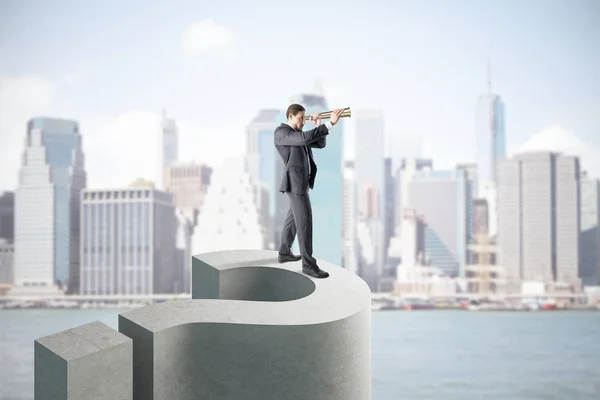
[293, 110]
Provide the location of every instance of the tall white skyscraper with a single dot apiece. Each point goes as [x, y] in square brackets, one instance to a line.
[405, 174]
[350, 254]
[369, 176]
[491, 136]
[169, 146]
[539, 218]
[366, 253]
[231, 216]
[368, 159]
[47, 206]
[410, 237]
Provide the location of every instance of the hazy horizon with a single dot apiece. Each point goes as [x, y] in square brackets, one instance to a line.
[114, 66]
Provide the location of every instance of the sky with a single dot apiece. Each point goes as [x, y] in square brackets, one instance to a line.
[115, 65]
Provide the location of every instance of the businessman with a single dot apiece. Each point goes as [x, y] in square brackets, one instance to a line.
[299, 172]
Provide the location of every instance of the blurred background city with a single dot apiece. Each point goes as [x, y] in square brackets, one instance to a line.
[134, 135]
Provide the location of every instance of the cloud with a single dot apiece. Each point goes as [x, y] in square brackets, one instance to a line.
[21, 98]
[119, 150]
[211, 145]
[206, 36]
[127, 147]
[559, 139]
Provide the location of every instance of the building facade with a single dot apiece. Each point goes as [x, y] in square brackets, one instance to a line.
[405, 174]
[368, 160]
[188, 184]
[442, 198]
[7, 266]
[7, 216]
[480, 216]
[470, 173]
[128, 242]
[370, 178]
[350, 253]
[231, 216]
[47, 206]
[262, 158]
[539, 218]
[390, 203]
[490, 138]
[590, 231]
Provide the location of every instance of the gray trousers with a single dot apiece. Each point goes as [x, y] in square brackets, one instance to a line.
[299, 220]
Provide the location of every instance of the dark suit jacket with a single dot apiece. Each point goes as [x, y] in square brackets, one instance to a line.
[291, 145]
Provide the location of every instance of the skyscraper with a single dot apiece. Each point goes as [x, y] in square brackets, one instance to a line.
[413, 238]
[7, 216]
[47, 205]
[350, 254]
[326, 198]
[368, 159]
[491, 136]
[390, 202]
[470, 171]
[128, 242]
[231, 216]
[370, 180]
[404, 176]
[441, 197]
[480, 217]
[188, 182]
[590, 231]
[260, 149]
[169, 146]
[539, 218]
[7, 266]
[262, 158]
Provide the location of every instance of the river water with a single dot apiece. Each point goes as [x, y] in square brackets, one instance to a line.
[445, 355]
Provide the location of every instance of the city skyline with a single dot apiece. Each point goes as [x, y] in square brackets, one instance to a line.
[201, 83]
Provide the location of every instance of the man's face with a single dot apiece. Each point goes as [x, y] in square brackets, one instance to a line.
[297, 121]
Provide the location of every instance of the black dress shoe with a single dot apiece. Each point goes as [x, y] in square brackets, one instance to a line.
[288, 257]
[315, 272]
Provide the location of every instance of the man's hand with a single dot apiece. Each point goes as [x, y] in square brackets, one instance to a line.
[335, 115]
[315, 119]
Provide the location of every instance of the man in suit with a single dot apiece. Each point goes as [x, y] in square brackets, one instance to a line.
[299, 172]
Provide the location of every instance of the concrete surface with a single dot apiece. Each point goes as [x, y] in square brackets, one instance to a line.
[90, 362]
[255, 330]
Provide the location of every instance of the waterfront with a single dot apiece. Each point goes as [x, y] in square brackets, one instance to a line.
[433, 354]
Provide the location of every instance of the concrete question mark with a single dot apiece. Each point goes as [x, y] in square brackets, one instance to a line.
[254, 329]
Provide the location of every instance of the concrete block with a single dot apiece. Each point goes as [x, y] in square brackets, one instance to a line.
[255, 330]
[90, 362]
